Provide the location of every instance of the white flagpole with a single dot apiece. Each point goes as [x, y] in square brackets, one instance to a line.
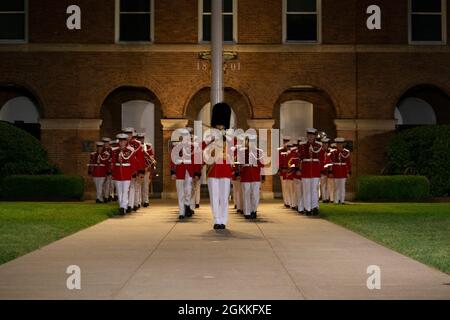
[216, 52]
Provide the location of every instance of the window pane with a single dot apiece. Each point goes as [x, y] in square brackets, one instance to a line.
[206, 5]
[135, 27]
[12, 5]
[426, 5]
[228, 6]
[206, 28]
[426, 28]
[12, 26]
[228, 28]
[301, 6]
[302, 27]
[135, 5]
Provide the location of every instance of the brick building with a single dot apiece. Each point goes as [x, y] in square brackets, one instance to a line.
[294, 63]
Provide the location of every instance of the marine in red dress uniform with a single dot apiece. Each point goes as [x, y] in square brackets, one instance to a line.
[124, 164]
[108, 185]
[138, 174]
[150, 168]
[311, 157]
[282, 164]
[326, 167]
[98, 168]
[342, 169]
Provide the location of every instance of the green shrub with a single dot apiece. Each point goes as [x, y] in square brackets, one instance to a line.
[42, 188]
[392, 188]
[21, 153]
[423, 151]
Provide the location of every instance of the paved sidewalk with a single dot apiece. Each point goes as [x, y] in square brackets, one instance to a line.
[151, 255]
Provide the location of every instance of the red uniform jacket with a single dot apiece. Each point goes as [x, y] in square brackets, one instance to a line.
[251, 170]
[327, 164]
[148, 155]
[123, 163]
[182, 166]
[99, 164]
[342, 165]
[311, 156]
[138, 154]
[282, 163]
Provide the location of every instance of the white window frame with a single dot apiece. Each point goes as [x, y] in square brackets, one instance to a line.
[152, 25]
[443, 15]
[18, 41]
[319, 24]
[235, 22]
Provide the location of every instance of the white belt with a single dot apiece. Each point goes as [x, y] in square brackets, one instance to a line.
[311, 160]
[123, 164]
[339, 164]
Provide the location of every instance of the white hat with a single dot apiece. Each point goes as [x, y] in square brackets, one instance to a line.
[107, 140]
[311, 131]
[100, 144]
[325, 140]
[141, 135]
[287, 138]
[339, 140]
[128, 130]
[122, 136]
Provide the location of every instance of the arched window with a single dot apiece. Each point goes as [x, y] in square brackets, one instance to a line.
[415, 111]
[295, 117]
[140, 115]
[20, 109]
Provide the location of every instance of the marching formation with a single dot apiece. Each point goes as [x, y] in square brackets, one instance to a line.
[122, 170]
[310, 168]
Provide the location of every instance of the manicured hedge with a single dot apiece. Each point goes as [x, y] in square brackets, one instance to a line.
[423, 151]
[21, 153]
[392, 188]
[41, 188]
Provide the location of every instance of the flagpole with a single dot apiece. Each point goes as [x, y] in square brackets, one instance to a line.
[216, 52]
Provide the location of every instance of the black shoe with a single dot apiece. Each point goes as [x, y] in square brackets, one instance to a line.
[307, 213]
[121, 211]
[111, 199]
[146, 205]
[295, 208]
[181, 217]
[287, 206]
[216, 226]
[188, 211]
[301, 212]
[197, 206]
[235, 207]
[315, 212]
[98, 201]
[135, 208]
[222, 226]
[253, 215]
[192, 212]
[128, 210]
[248, 217]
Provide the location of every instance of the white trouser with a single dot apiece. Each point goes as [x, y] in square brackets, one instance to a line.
[132, 193]
[339, 190]
[250, 191]
[289, 188]
[184, 193]
[123, 189]
[237, 193]
[310, 193]
[299, 193]
[113, 187]
[107, 187]
[295, 193]
[331, 188]
[197, 189]
[324, 188]
[283, 189]
[145, 189]
[138, 191]
[99, 183]
[219, 192]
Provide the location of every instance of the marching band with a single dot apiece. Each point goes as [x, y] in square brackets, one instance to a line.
[309, 168]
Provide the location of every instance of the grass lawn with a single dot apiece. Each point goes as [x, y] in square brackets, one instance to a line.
[418, 230]
[25, 226]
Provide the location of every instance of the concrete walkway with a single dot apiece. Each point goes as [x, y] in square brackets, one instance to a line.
[151, 255]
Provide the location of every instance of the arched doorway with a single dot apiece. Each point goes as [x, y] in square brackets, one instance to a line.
[19, 107]
[301, 107]
[141, 109]
[422, 105]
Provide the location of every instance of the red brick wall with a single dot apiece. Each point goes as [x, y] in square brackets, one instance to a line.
[176, 21]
